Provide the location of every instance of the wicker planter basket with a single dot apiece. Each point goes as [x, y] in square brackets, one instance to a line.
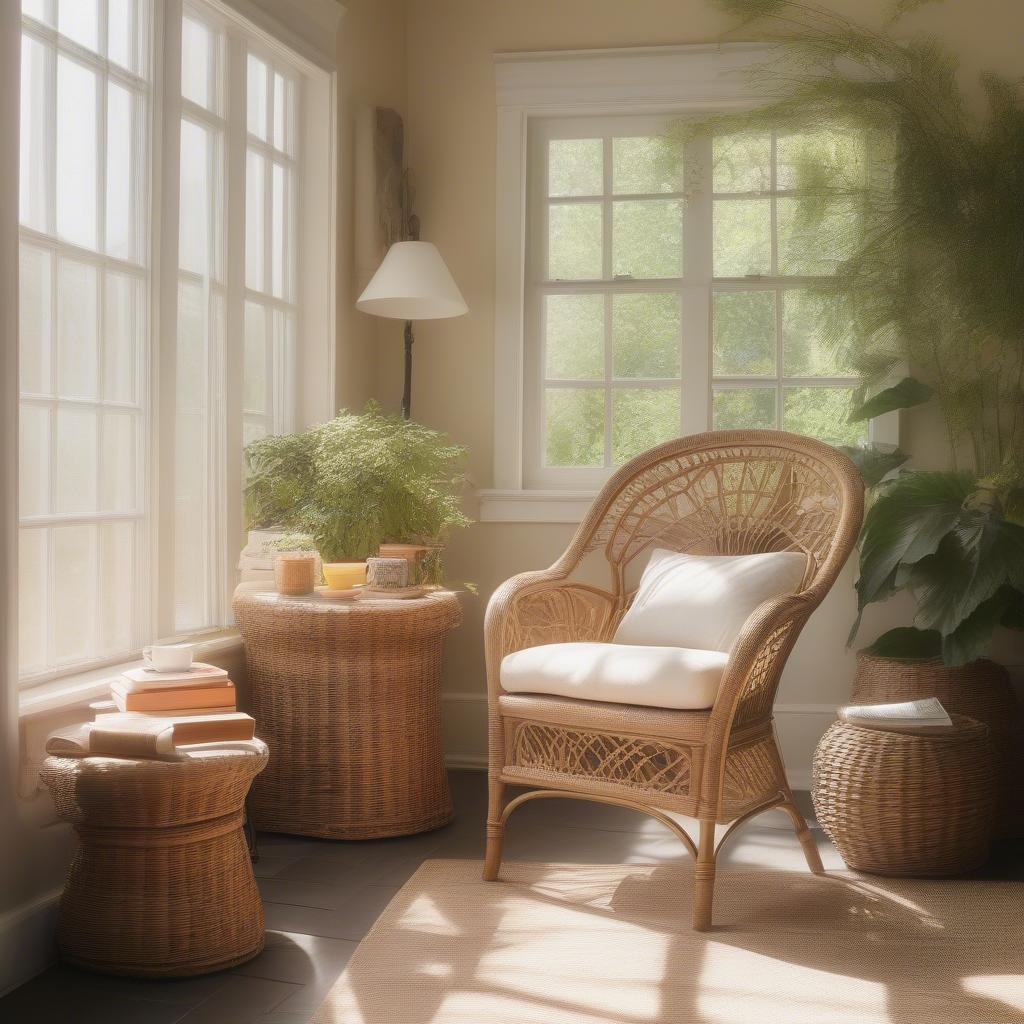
[979, 690]
[902, 804]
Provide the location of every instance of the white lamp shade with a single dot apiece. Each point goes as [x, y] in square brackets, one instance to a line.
[412, 283]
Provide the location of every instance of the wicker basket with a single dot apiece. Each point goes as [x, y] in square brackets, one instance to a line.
[162, 884]
[980, 690]
[902, 804]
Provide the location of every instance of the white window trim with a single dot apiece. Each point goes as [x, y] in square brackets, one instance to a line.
[315, 384]
[640, 80]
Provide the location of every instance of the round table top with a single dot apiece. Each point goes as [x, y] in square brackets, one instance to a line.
[365, 605]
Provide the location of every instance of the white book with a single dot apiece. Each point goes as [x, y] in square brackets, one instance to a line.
[916, 715]
[200, 674]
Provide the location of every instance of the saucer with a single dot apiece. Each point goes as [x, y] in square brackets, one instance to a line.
[339, 595]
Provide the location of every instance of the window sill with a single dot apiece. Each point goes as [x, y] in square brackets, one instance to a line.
[534, 506]
[80, 688]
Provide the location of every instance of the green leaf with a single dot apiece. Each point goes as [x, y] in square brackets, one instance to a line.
[906, 643]
[969, 639]
[907, 393]
[875, 461]
[907, 523]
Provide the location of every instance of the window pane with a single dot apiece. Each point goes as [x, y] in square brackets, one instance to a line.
[117, 587]
[121, 46]
[118, 465]
[35, 155]
[122, 212]
[814, 241]
[574, 337]
[124, 334]
[574, 241]
[256, 97]
[576, 167]
[256, 353]
[742, 237]
[79, 20]
[646, 164]
[77, 333]
[742, 162]
[34, 460]
[744, 333]
[806, 350]
[280, 240]
[744, 409]
[822, 413]
[33, 575]
[35, 320]
[191, 461]
[75, 451]
[253, 428]
[255, 177]
[646, 334]
[196, 209]
[76, 153]
[642, 418]
[197, 55]
[283, 371]
[574, 427]
[74, 592]
[647, 238]
[838, 158]
[38, 9]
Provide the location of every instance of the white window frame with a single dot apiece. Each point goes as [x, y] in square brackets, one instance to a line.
[314, 384]
[664, 80]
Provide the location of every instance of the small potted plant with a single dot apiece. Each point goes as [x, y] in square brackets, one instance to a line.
[357, 482]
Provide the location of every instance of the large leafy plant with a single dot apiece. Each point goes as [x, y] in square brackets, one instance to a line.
[356, 482]
[934, 283]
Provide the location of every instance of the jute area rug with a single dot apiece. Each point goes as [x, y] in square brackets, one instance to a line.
[611, 944]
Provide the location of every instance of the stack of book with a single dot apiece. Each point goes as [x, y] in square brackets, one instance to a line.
[919, 716]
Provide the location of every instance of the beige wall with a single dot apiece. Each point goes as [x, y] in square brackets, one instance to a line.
[451, 133]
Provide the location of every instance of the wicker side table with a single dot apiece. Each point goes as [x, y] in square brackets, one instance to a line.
[907, 804]
[348, 695]
[162, 884]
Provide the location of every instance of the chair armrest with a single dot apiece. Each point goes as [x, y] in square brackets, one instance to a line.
[543, 607]
[756, 660]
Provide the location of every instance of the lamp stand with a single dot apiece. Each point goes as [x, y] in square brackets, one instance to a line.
[407, 391]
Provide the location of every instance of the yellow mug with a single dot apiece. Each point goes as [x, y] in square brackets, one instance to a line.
[344, 575]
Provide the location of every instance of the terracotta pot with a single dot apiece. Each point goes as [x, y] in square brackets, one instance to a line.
[980, 690]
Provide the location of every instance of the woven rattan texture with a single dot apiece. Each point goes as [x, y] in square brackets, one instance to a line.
[161, 884]
[981, 690]
[349, 698]
[726, 492]
[899, 804]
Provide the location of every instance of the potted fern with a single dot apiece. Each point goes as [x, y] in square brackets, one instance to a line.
[934, 286]
[356, 482]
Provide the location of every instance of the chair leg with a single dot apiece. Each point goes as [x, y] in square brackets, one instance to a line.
[803, 833]
[495, 829]
[704, 877]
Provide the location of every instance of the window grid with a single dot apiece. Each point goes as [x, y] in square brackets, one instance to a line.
[72, 609]
[780, 286]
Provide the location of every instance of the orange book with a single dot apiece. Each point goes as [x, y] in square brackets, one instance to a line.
[184, 698]
[210, 728]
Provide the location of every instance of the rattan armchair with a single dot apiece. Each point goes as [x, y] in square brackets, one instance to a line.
[725, 492]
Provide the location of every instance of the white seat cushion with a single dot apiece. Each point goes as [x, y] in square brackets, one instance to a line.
[656, 677]
[702, 601]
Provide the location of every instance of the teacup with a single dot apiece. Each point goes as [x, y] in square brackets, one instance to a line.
[168, 657]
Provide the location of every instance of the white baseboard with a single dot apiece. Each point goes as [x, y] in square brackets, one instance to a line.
[27, 943]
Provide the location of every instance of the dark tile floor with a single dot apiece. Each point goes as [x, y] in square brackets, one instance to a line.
[321, 897]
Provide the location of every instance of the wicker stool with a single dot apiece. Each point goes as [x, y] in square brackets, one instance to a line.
[348, 695]
[898, 803]
[162, 885]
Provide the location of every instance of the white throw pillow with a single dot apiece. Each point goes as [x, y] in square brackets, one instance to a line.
[703, 601]
[657, 677]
